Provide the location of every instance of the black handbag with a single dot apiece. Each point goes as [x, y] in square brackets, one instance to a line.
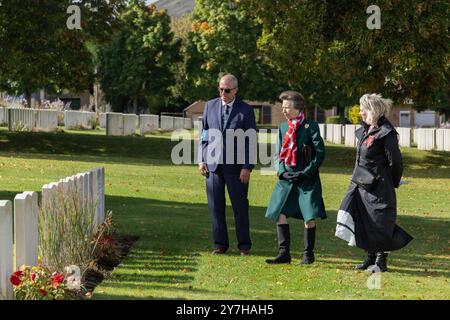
[364, 178]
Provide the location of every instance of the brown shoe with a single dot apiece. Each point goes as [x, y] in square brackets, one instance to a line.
[218, 251]
[245, 252]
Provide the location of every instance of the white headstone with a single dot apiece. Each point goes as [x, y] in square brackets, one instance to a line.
[426, 139]
[167, 123]
[21, 119]
[102, 120]
[187, 123]
[322, 130]
[329, 132]
[148, 123]
[114, 124]
[26, 228]
[337, 133]
[443, 139]
[178, 123]
[404, 139]
[350, 136]
[3, 116]
[79, 119]
[101, 193]
[47, 120]
[6, 249]
[130, 123]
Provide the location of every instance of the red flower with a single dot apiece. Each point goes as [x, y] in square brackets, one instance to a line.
[33, 276]
[57, 279]
[18, 273]
[43, 292]
[15, 280]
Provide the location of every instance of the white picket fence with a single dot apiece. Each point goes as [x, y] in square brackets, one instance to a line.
[25, 217]
[425, 139]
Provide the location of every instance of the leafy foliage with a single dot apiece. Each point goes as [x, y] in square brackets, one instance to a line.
[138, 62]
[336, 58]
[353, 115]
[38, 50]
[223, 40]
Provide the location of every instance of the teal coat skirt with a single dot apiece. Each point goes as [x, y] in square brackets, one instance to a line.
[301, 200]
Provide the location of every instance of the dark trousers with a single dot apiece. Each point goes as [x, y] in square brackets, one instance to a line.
[215, 190]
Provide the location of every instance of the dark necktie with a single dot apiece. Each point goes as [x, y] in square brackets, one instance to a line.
[225, 115]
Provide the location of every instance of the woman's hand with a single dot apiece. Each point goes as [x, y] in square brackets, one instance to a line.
[292, 176]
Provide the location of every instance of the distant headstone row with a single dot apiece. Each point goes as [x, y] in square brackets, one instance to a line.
[20, 224]
[425, 139]
[22, 119]
[119, 124]
[116, 124]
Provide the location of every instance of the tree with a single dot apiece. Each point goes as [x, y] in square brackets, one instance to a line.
[137, 64]
[330, 43]
[223, 40]
[38, 49]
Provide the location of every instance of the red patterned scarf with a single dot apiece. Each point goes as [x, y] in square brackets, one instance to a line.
[288, 151]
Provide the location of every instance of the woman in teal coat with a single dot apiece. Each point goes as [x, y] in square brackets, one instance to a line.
[298, 192]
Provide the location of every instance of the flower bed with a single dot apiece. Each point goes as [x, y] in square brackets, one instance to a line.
[40, 283]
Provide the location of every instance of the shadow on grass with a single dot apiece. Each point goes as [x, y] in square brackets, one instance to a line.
[139, 150]
[173, 235]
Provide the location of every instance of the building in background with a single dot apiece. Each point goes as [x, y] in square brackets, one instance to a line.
[176, 8]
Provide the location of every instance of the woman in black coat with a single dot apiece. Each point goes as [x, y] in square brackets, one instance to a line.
[367, 215]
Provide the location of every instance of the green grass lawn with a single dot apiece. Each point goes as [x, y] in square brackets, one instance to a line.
[165, 205]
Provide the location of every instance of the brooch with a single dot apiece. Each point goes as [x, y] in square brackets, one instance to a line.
[369, 141]
[306, 126]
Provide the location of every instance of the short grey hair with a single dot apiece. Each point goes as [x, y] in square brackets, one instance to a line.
[298, 101]
[230, 78]
[376, 106]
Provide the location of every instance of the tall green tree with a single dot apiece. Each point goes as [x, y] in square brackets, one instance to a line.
[223, 40]
[338, 57]
[38, 49]
[138, 63]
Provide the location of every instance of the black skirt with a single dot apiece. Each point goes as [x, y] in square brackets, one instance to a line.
[362, 224]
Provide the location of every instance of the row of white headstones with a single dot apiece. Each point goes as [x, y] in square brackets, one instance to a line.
[424, 138]
[116, 124]
[19, 223]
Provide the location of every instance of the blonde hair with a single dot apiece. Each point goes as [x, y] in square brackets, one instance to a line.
[376, 106]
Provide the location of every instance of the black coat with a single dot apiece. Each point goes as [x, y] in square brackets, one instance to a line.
[367, 218]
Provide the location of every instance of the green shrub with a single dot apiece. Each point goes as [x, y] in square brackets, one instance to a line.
[333, 120]
[353, 114]
[66, 230]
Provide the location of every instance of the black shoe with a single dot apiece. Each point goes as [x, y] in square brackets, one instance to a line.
[283, 257]
[370, 261]
[309, 240]
[284, 241]
[381, 261]
[308, 257]
[219, 251]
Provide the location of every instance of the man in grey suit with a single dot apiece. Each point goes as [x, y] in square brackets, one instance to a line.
[228, 115]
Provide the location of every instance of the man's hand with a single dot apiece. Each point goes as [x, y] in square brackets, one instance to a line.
[203, 169]
[245, 176]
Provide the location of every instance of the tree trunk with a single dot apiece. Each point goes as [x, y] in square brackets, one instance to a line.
[135, 103]
[28, 97]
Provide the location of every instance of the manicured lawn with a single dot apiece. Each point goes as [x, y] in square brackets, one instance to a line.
[165, 205]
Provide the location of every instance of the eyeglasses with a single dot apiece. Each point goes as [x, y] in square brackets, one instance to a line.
[226, 90]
